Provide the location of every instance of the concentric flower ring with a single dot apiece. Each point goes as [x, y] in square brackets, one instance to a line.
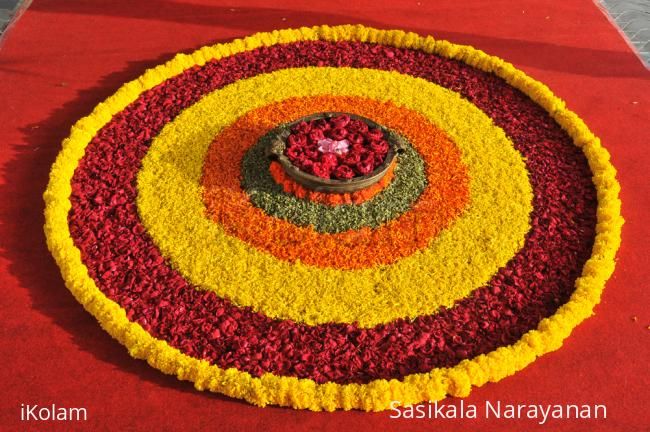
[527, 309]
[463, 259]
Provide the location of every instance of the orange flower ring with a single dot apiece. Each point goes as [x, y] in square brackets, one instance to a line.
[444, 198]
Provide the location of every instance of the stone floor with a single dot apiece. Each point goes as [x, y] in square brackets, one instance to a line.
[632, 17]
[8, 9]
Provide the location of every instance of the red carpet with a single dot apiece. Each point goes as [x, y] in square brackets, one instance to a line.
[62, 58]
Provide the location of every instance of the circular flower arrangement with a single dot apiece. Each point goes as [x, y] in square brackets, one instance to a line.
[485, 243]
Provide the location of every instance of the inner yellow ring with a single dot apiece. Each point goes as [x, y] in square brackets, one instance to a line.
[462, 258]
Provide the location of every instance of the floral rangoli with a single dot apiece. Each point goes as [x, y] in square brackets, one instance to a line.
[488, 240]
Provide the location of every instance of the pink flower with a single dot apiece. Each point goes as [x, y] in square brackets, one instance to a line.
[329, 145]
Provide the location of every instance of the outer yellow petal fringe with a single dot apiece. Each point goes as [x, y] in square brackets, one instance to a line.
[304, 393]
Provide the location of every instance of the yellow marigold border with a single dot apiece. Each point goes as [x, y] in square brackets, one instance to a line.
[304, 393]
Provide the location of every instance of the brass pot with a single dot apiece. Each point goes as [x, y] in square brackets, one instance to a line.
[277, 145]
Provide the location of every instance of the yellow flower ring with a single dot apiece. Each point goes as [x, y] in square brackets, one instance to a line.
[465, 257]
[527, 309]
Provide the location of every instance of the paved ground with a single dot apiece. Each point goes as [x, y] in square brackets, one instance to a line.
[7, 11]
[632, 17]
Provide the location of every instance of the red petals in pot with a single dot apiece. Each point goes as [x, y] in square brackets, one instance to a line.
[336, 148]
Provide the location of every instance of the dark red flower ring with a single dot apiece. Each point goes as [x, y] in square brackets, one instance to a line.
[130, 270]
